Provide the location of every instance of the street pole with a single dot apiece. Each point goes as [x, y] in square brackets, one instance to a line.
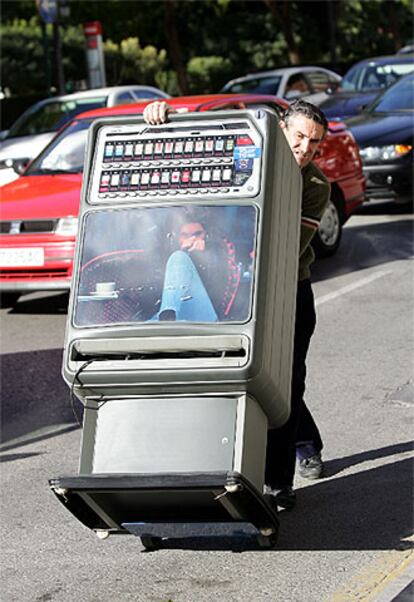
[49, 11]
[57, 43]
[45, 41]
[332, 32]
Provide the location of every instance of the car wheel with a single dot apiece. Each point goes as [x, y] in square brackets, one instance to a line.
[328, 236]
[8, 299]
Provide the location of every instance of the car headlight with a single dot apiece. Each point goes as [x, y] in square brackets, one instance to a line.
[67, 226]
[384, 153]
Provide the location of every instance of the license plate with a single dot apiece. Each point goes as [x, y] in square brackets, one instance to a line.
[25, 257]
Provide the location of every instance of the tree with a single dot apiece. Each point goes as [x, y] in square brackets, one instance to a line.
[196, 46]
[174, 45]
[281, 11]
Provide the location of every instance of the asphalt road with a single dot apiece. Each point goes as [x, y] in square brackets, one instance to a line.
[350, 537]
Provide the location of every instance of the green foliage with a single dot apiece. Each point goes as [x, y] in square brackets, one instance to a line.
[26, 50]
[370, 28]
[168, 81]
[218, 39]
[206, 73]
[22, 52]
[266, 55]
[128, 62]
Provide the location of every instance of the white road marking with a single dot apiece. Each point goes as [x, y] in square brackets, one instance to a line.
[350, 287]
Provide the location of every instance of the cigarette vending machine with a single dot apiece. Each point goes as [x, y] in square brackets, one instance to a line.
[180, 323]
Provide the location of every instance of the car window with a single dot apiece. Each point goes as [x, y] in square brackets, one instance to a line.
[259, 85]
[65, 154]
[124, 98]
[399, 98]
[375, 77]
[140, 94]
[320, 81]
[297, 86]
[43, 119]
[51, 116]
[350, 79]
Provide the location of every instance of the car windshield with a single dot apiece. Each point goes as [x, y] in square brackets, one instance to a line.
[65, 154]
[51, 116]
[374, 77]
[398, 98]
[259, 85]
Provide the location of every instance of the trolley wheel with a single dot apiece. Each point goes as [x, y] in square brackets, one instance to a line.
[151, 543]
[267, 541]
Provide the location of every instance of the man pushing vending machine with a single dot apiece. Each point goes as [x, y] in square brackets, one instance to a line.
[180, 324]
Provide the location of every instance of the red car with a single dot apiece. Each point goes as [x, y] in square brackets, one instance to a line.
[39, 210]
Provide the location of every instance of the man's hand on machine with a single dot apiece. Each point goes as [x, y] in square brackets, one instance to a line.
[157, 112]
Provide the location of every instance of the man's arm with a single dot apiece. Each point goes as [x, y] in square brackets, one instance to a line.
[157, 112]
[315, 197]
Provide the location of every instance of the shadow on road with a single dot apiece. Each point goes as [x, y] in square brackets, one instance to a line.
[41, 304]
[34, 395]
[333, 467]
[368, 245]
[13, 457]
[369, 510]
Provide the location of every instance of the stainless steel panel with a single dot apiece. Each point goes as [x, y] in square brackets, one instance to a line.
[159, 435]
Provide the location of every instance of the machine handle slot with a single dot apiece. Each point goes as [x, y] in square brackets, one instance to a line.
[77, 356]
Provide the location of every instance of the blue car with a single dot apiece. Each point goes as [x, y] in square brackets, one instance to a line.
[363, 82]
[384, 132]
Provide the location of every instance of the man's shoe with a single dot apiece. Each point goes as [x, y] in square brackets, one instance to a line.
[283, 498]
[311, 468]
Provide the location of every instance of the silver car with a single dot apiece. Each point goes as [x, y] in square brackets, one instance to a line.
[30, 133]
[310, 83]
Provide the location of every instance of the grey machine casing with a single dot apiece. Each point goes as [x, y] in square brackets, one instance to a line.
[172, 397]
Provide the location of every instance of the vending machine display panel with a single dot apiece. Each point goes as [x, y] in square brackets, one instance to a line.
[191, 264]
[210, 158]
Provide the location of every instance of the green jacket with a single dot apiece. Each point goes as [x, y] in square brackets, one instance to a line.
[315, 197]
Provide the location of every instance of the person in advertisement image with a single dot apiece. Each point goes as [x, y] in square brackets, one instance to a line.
[304, 127]
[167, 264]
[202, 277]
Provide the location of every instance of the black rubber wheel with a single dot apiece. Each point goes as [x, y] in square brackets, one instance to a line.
[267, 541]
[151, 544]
[8, 299]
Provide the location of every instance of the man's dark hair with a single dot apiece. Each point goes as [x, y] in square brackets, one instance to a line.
[301, 107]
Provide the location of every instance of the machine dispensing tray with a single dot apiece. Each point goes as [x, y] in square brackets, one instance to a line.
[160, 506]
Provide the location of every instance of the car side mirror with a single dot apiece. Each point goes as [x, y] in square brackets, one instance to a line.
[361, 108]
[19, 165]
[332, 88]
[3, 134]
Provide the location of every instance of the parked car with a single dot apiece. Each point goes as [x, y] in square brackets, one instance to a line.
[363, 82]
[37, 126]
[385, 135]
[39, 210]
[310, 83]
[407, 49]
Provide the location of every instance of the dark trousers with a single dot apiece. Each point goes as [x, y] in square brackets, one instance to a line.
[281, 442]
